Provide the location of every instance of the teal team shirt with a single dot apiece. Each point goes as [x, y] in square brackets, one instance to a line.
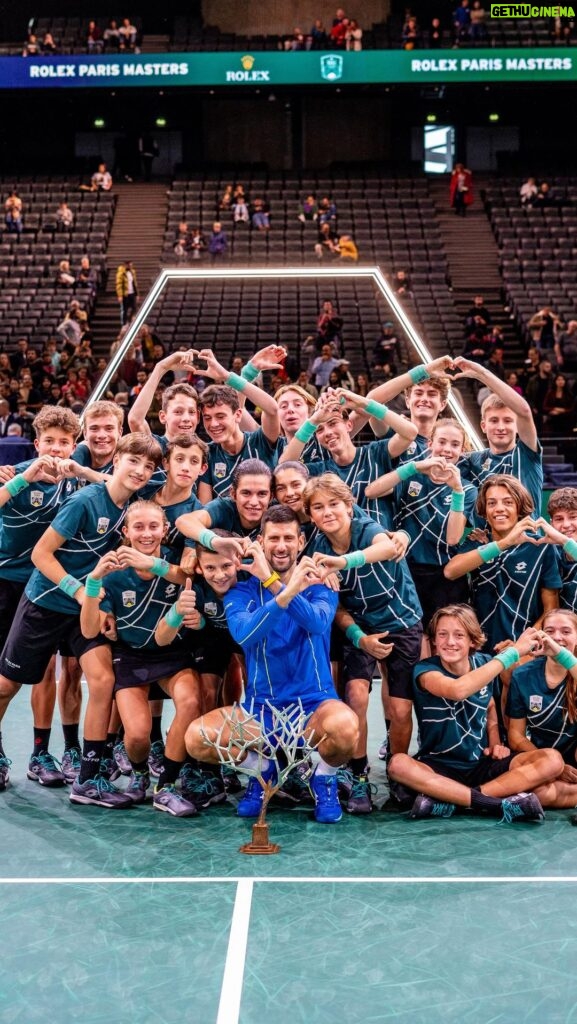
[371, 461]
[520, 461]
[175, 540]
[506, 592]
[224, 516]
[423, 509]
[91, 525]
[451, 732]
[221, 465]
[529, 697]
[312, 451]
[23, 521]
[138, 606]
[568, 572]
[381, 596]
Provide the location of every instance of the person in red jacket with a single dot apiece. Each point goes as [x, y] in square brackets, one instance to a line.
[461, 189]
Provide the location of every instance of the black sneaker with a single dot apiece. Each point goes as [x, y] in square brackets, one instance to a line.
[203, 787]
[296, 787]
[101, 792]
[5, 763]
[522, 807]
[400, 797]
[43, 768]
[359, 799]
[230, 778]
[428, 807]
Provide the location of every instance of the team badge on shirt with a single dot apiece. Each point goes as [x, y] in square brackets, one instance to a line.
[102, 525]
[415, 488]
[36, 498]
[128, 598]
[412, 448]
[220, 470]
[535, 702]
[486, 465]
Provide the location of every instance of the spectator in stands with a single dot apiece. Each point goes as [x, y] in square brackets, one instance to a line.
[240, 212]
[559, 407]
[338, 33]
[362, 385]
[435, 34]
[296, 41]
[334, 380]
[495, 362]
[48, 45]
[561, 29]
[197, 244]
[329, 327]
[327, 211]
[402, 284]
[304, 381]
[7, 418]
[544, 325]
[536, 390]
[411, 34]
[326, 246]
[31, 46]
[226, 199]
[127, 33]
[64, 277]
[461, 186]
[347, 249]
[93, 38]
[545, 197]
[260, 214]
[126, 290]
[318, 34]
[347, 379]
[479, 32]
[82, 357]
[323, 366]
[528, 192]
[354, 36]
[565, 348]
[101, 180]
[111, 36]
[386, 348]
[18, 358]
[148, 150]
[512, 379]
[217, 243]
[309, 210]
[462, 23]
[477, 315]
[86, 276]
[13, 213]
[478, 346]
[27, 392]
[64, 217]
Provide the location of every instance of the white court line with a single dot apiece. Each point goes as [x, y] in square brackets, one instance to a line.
[232, 982]
[292, 880]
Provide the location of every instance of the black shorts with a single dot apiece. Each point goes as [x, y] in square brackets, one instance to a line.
[485, 770]
[213, 652]
[10, 593]
[400, 662]
[35, 635]
[435, 591]
[145, 667]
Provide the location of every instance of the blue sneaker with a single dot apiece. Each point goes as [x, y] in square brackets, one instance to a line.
[5, 763]
[522, 807]
[250, 805]
[138, 787]
[70, 764]
[202, 786]
[43, 768]
[155, 758]
[100, 792]
[170, 800]
[324, 789]
[427, 807]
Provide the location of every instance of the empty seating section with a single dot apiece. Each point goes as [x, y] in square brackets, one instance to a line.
[393, 223]
[538, 250]
[31, 303]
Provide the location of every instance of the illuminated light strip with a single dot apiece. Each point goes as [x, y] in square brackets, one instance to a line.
[193, 274]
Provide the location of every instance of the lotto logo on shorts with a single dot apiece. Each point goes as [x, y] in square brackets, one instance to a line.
[102, 525]
[128, 598]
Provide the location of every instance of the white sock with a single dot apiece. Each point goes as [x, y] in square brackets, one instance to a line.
[252, 760]
[325, 769]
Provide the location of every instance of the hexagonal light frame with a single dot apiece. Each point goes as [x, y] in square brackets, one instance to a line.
[169, 274]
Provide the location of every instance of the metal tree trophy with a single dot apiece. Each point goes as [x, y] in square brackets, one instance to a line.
[277, 734]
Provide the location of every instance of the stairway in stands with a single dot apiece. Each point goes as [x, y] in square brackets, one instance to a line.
[137, 234]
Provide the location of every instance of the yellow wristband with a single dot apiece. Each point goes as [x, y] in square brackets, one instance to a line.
[274, 576]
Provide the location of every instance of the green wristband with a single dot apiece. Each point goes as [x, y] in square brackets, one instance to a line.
[92, 587]
[159, 567]
[407, 470]
[249, 372]
[510, 656]
[418, 374]
[234, 381]
[69, 585]
[566, 659]
[458, 501]
[306, 431]
[376, 409]
[173, 618]
[354, 559]
[16, 484]
[487, 552]
[570, 548]
[206, 538]
[355, 634]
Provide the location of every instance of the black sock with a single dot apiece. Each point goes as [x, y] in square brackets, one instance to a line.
[109, 745]
[358, 765]
[2, 753]
[169, 772]
[156, 729]
[71, 738]
[92, 751]
[488, 804]
[139, 766]
[41, 741]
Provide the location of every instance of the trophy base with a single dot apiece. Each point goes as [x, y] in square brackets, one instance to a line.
[260, 843]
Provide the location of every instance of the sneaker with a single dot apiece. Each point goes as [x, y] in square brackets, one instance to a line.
[401, 798]
[344, 782]
[109, 769]
[427, 807]
[296, 787]
[384, 749]
[170, 800]
[5, 763]
[359, 800]
[324, 789]
[232, 783]
[202, 786]
[249, 806]
[43, 768]
[155, 758]
[522, 807]
[138, 787]
[99, 791]
[121, 758]
[70, 764]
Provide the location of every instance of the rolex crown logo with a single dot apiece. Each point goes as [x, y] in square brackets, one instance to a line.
[247, 62]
